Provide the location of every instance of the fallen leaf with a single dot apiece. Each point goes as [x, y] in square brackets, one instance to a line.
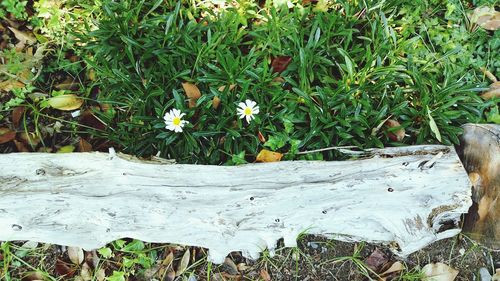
[215, 102]
[222, 88]
[62, 269]
[20, 146]
[262, 139]
[397, 134]
[66, 102]
[23, 37]
[86, 272]
[17, 113]
[184, 263]
[395, 267]
[29, 138]
[265, 275]
[6, 135]
[486, 17]
[75, 254]
[439, 272]
[231, 266]
[493, 92]
[10, 85]
[376, 260]
[66, 149]
[84, 146]
[100, 274]
[168, 260]
[242, 266]
[192, 92]
[279, 80]
[68, 84]
[280, 63]
[170, 276]
[496, 276]
[268, 156]
[87, 118]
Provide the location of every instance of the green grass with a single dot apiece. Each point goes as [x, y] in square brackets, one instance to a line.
[352, 67]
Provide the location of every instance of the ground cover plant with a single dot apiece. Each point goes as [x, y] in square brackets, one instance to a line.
[220, 82]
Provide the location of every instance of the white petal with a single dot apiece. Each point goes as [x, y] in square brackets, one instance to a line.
[181, 115]
[242, 116]
[248, 117]
[255, 110]
[178, 129]
[176, 112]
[251, 103]
[240, 111]
[242, 105]
[170, 127]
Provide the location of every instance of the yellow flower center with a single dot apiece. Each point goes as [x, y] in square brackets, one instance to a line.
[248, 111]
[176, 121]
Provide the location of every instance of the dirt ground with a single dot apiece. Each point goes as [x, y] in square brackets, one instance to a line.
[314, 259]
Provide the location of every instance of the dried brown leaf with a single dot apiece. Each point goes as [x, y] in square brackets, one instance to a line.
[17, 113]
[215, 102]
[9, 85]
[280, 64]
[222, 88]
[75, 255]
[62, 269]
[87, 118]
[493, 92]
[395, 132]
[192, 92]
[262, 139]
[86, 272]
[231, 266]
[265, 275]
[84, 146]
[100, 274]
[395, 267]
[184, 263]
[29, 138]
[439, 272]
[268, 156]
[6, 135]
[170, 276]
[168, 259]
[20, 146]
[376, 260]
[25, 38]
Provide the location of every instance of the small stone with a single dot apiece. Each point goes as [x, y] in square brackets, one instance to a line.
[484, 274]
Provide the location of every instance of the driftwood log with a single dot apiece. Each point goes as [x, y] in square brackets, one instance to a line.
[405, 197]
[480, 154]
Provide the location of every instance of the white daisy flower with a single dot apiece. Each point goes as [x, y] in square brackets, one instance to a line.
[247, 110]
[173, 120]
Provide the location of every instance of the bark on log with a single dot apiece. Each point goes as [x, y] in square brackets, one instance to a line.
[406, 197]
[480, 154]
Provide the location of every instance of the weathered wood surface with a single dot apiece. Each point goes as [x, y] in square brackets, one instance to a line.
[406, 197]
[480, 154]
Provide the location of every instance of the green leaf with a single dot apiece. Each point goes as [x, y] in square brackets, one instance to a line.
[276, 142]
[433, 125]
[105, 252]
[135, 245]
[117, 276]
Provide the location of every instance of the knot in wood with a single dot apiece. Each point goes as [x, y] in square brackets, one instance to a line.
[40, 172]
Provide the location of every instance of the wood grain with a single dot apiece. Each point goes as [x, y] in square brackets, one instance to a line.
[405, 197]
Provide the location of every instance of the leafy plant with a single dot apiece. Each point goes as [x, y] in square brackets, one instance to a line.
[347, 74]
[16, 8]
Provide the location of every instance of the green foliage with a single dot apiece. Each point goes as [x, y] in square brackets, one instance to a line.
[348, 73]
[15, 7]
